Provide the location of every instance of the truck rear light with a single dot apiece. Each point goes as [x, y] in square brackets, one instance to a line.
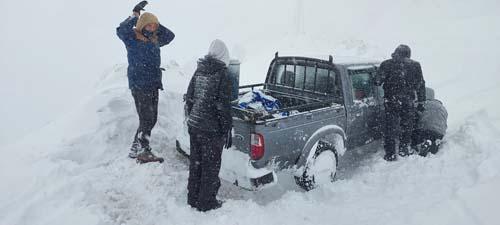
[257, 146]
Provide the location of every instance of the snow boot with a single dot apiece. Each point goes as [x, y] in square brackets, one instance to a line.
[425, 148]
[390, 157]
[406, 151]
[146, 156]
[134, 150]
[215, 205]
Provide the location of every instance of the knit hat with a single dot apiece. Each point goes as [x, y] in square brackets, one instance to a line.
[145, 19]
[219, 51]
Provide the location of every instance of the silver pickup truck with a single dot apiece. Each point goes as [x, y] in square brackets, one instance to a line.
[326, 108]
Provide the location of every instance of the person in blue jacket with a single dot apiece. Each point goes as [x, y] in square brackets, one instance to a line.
[143, 37]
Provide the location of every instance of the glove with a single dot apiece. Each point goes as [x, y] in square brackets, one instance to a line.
[229, 139]
[420, 107]
[140, 7]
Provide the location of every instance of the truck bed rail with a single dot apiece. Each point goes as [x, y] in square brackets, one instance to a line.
[254, 116]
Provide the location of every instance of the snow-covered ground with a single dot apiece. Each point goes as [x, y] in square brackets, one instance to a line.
[74, 170]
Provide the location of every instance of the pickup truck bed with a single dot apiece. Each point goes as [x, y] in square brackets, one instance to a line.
[289, 104]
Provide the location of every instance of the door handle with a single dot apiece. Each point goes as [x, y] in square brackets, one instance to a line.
[309, 116]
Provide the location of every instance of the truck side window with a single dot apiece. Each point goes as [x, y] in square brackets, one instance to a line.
[325, 81]
[362, 85]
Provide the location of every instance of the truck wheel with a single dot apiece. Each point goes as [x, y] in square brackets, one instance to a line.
[320, 169]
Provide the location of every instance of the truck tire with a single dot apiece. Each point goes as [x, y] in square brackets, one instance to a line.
[320, 168]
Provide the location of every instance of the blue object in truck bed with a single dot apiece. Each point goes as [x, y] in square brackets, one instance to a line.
[257, 100]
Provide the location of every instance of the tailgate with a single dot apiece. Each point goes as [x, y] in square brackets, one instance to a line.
[242, 131]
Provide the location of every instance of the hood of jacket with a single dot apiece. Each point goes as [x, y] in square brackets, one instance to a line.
[218, 50]
[402, 52]
[145, 19]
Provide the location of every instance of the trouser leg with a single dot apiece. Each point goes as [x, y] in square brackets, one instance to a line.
[138, 107]
[194, 179]
[391, 127]
[407, 123]
[416, 137]
[146, 103]
[210, 181]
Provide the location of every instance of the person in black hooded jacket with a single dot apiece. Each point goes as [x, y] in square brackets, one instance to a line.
[208, 108]
[404, 94]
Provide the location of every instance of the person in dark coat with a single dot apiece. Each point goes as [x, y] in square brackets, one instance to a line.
[431, 127]
[143, 44]
[208, 107]
[404, 94]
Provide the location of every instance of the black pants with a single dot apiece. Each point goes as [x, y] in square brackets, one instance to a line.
[146, 103]
[205, 161]
[399, 117]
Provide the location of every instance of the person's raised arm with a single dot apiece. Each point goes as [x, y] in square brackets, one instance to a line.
[126, 29]
[165, 36]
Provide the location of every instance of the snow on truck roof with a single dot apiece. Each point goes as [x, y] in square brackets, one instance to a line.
[338, 60]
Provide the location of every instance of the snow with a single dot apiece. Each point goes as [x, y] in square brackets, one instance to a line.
[102, 186]
[365, 102]
[70, 167]
[69, 172]
[323, 168]
[236, 168]
[362, 67]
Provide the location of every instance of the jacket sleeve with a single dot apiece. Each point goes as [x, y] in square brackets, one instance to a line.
[190, 95]
[420, 83]
[224, 102]
[126, 31]
[165, 36]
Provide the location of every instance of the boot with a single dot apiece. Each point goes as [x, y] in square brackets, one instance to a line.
[405, 151]
[425, 148]
[146, 156]
[213, 206]
[134, 150]
[390, 157]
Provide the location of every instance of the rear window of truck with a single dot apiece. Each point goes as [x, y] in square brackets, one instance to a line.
[312, 78]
